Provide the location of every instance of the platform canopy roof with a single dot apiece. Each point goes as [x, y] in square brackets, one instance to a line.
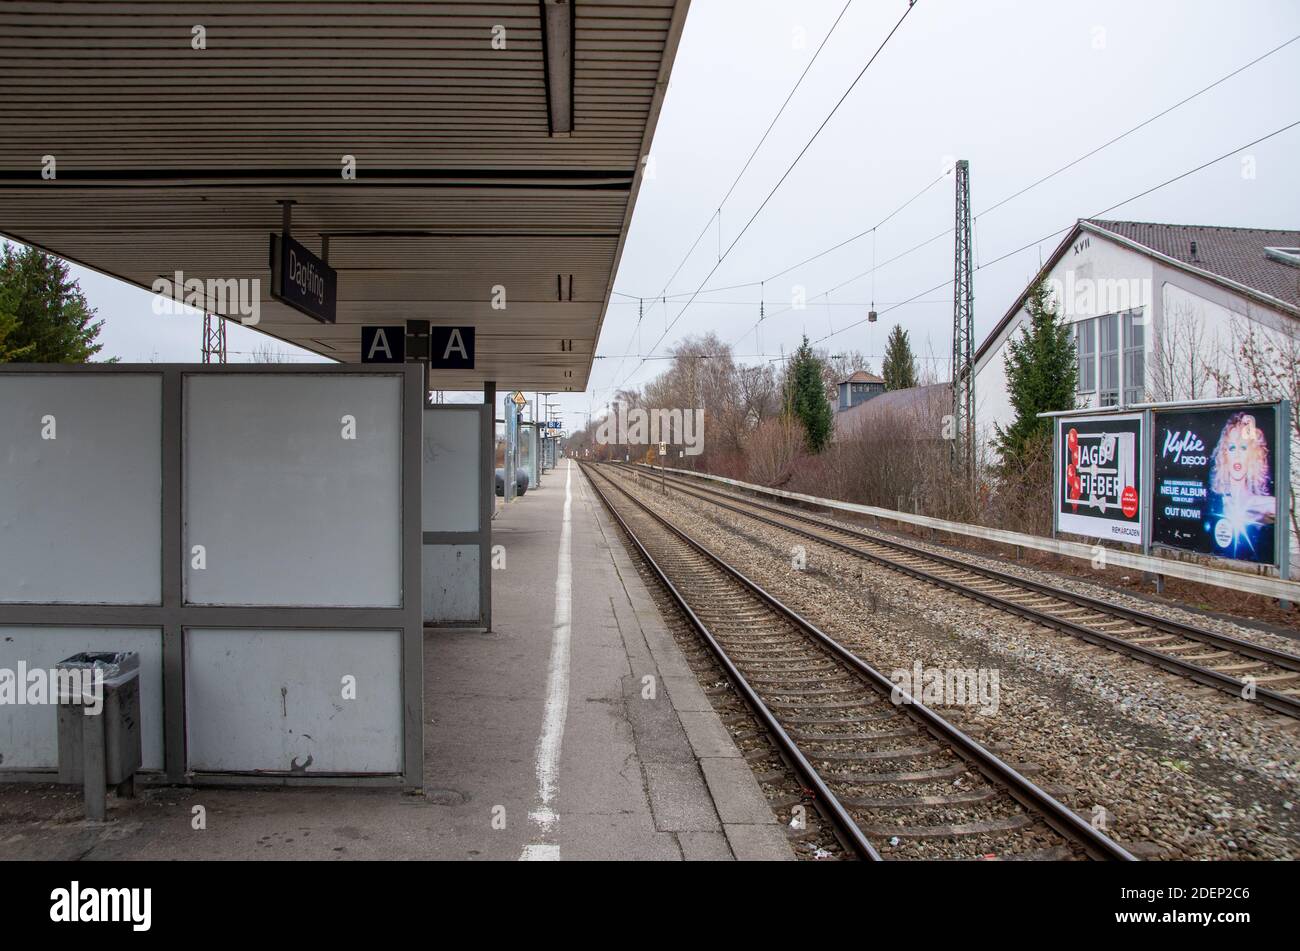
[496, 144]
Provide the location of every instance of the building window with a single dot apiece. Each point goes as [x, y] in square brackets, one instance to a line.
[1085, 342]
[1134, 358]
[1108, 386]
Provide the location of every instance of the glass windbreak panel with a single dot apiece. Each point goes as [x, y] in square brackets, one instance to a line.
[451, 470]
[81, 488]
[268, 700]
[29, 732]
[293, 489]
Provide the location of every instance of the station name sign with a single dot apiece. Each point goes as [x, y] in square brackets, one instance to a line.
[302, 280]
[442, 348]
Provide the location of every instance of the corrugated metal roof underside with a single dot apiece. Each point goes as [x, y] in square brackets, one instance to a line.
[170, 158]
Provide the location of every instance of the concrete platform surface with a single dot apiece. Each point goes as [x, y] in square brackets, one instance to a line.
[573, 730]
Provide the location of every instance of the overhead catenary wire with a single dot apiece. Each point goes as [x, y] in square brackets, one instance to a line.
[1143, 124]
[871, 231]
[1061, 231]
[1022, 191]
[750, 303]
[1054, 173]
[883, 43]
[727, 355]
[739, 175]
[820, 254]
[858, 277]
[1047, 237]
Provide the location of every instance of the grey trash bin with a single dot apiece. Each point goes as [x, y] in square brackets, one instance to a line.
[99, 723]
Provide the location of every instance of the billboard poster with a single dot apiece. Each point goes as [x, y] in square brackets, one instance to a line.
[1214, 482]
[1099, 477]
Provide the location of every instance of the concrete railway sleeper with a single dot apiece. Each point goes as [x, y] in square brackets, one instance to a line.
[890, 774]
[1249, 671]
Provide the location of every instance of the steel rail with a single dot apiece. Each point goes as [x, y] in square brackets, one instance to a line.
[1265, 585]
[1274, 700]
[846, 829]
[1154, 621]
[1058, 816]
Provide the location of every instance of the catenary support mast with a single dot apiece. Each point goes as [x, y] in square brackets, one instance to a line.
[214, 338]
[963, 333]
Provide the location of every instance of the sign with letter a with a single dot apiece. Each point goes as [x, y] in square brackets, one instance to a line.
[451, 348]
[383, 344]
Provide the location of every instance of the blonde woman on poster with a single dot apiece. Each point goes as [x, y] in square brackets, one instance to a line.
[1244, 503]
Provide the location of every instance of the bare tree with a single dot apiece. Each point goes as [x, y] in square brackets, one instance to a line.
[756, 393]
[1265, 366]
[928, 371]
[265, 353]
[1184, 360]
[840, 366]
[897, 457]
[773, 449]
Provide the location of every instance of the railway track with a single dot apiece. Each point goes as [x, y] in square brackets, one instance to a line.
[1249, 671]
[889, 773]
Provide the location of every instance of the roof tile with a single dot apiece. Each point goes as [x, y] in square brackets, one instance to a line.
[1236, 254]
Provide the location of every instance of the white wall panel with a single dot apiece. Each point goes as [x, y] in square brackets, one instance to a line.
[81, 514]
[289, 512]
[1093, 278]
[29, 734]
[451, 584]
[272, 700]
[451, 469]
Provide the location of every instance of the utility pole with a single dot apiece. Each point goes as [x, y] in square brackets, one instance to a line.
[963, 333]
[214, 338]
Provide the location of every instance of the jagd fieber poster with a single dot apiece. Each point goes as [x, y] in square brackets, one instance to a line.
[1099, 477]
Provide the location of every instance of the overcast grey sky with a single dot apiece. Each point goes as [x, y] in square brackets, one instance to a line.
[1017, 87]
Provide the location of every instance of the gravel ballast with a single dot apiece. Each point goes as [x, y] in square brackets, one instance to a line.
[1171, 769]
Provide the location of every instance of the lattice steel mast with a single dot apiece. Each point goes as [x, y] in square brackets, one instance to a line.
[963, 333]
[214, 338]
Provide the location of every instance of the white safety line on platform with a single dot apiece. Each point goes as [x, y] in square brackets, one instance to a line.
[551, 741]
[541, 852]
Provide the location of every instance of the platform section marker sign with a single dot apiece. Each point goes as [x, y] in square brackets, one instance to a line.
[440, 348]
